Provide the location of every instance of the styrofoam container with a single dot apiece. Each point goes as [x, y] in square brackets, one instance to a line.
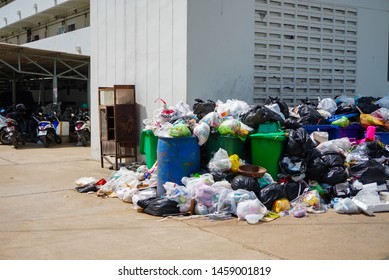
[384, 196]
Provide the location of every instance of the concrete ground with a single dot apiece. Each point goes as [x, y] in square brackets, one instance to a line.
[42, 217]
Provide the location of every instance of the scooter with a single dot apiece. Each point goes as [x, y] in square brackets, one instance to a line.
[82, 129]
[12, 135]
[46, 130]
[3, 133]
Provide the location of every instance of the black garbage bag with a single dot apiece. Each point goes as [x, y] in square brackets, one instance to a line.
[294, 189]
[292, 123]
[316, 166]
[346, 109]
[307, 101]
[367, 104]
[162, 207]
[309, 115]
[375, 150]
[283, 106]
[143, 203]
[334, 175]
[336, 171]
[259, 114]
[342, 190]
[299, 143]
[333, 159]
[202, 108]
[271, 193]
[246, 183]
[291, 165]
[326, 168]
[370, 172]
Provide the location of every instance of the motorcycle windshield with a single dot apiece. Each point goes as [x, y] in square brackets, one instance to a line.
[43, 124]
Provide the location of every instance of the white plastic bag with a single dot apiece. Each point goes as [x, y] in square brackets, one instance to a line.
[382, 114]
[144, 194]
[204, 195]
[117, 179]
[232, 107]
[201, 209]
[181, 110]
[328, 104]
[220, 161]
[276, 109]
[345, 100]
[383, 102]
[178, 194]
[213, 119]
[127, 197]
[163, 130]
[346, 206]
[336, 145]
[191, 183]
[84, 181]
[252, 206]
[224, 184]
[228, 199]
[201, 131]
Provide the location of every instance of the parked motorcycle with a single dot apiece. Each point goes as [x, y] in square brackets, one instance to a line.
[3, 133]
[46, 130]
[12, 135]
[82, 129]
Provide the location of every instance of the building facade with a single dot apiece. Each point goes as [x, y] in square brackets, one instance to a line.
[49, 25]
[227, 49]
[179, 50]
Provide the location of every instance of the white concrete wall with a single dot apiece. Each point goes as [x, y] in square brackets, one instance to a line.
[372, 52]
[220, 50]
[372, 47]
[141, 43]
[66, 42]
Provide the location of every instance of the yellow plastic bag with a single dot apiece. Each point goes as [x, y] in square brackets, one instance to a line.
[367, 119]
[281, 205]
[235, 163]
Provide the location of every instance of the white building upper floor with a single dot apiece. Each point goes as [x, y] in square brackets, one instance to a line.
[37, 24]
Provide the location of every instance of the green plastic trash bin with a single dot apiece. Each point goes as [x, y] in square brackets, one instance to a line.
[148, 146]
[266, 150]
[233, 145]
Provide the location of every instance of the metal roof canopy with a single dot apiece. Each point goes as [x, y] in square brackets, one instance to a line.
[18, 60]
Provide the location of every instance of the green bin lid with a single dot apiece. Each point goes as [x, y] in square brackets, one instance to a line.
[278, 136]
[142, 139]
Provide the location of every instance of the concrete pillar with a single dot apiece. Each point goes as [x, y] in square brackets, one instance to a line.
[14, 90]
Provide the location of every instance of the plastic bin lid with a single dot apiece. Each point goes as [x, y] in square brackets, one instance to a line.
[278, 136]
[142, 139]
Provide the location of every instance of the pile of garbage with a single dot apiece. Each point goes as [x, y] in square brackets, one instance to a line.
[315, 173]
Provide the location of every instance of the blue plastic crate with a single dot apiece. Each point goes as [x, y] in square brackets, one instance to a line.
[353, 131]
[332, 130]
[383, 137]
[337, 117]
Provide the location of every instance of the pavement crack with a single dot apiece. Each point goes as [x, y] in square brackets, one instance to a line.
[26, 194]
[9, 161]
[248, 247]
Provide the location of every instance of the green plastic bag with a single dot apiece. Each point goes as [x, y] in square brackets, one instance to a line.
[180, 130]
[343, 122]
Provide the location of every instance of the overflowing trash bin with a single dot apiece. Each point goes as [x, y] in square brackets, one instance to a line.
[317, 156]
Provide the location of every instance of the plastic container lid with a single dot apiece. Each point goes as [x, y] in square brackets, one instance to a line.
[277, 136]
[269, 127]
